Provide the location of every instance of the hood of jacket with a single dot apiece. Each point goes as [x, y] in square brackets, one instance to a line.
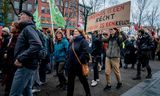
[25, 23]
[78, 38]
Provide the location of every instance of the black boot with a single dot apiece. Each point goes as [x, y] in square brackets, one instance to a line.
[119, 85]
[88, 94]
[137, 78]
[149, 76]
[108, 87]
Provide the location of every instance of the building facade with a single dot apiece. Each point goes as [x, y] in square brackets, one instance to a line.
[27, 5]
[68, 8]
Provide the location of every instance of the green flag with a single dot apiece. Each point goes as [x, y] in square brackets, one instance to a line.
[37, 19]
[56, 15]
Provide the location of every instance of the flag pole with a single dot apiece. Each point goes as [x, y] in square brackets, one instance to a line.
[51, 19]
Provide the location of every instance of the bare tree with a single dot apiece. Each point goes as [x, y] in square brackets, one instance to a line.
[5, 11]
[153, 16]
[85, 13]
[20, 5]
[113, 2]
[68, 10]
[95, 5]
[91, 8]
[141, 12]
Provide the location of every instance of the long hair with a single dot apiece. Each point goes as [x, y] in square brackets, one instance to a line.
[15, 33]
[57, 32]
[82, 33]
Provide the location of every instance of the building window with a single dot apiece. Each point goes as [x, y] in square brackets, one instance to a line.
[29, 6]
[43, 9]
[43, 0]
[9, 16]
[61, 2]
[48, 10]
[58, 2]
[42, 19]
[16, 5]
[24, 7]
[66, 4]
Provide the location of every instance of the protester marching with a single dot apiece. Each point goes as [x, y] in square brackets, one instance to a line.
[30, 52]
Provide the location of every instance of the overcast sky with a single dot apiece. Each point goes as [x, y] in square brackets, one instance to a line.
[133, 4]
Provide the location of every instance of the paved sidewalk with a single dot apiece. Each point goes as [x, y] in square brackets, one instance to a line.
[150, 87]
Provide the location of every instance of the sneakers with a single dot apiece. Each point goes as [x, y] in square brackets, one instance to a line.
[108, 87]
[35, 90]
[96, 80]
[43, 83]
[137, 78]
[99, 67]
[149, 76]
[119, 85]
[94, 83]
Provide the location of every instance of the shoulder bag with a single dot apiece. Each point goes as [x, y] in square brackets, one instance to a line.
[85, 68]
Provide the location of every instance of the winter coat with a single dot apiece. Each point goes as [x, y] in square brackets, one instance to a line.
[96, 46]
[4, 44]
[81, 48]
[130, 55]
[60, 50]
[144, 44]
[113, 50]
[28, 46]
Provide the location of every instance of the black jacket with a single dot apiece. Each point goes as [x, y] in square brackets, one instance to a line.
[81, 49]
[96, 46]
[144, 42]
[28, 45]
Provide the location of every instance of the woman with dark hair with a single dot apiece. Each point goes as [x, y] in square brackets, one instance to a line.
[80, 46]
[9, 66]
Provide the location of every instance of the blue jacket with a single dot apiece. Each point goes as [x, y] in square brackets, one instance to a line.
[60, 50]
[27, 46]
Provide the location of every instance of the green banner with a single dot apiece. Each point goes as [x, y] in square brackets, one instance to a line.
[56, 15]
[37, 19]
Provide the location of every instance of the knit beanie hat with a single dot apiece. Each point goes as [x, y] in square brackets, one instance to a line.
[5, 29]
[28, 14]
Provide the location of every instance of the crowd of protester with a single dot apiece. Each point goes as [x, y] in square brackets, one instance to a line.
[27, 55]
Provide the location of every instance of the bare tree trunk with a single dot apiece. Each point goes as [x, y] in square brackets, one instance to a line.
[10, 1]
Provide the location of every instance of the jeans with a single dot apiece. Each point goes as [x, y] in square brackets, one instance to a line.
[22, 82]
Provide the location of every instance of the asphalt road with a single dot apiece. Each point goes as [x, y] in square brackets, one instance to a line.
[49, 89]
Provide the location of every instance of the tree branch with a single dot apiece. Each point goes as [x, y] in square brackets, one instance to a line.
[13, 7]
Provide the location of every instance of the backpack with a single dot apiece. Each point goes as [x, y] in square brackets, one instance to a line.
[43, 52]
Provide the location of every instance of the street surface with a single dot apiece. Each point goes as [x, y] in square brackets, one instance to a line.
[49, 89]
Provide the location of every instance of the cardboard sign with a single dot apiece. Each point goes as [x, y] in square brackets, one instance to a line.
[116, 16]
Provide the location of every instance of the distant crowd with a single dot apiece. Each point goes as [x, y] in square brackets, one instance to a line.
[28, 54]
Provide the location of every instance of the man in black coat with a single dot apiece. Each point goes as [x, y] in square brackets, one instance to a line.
[26, 51]
[144, 45]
